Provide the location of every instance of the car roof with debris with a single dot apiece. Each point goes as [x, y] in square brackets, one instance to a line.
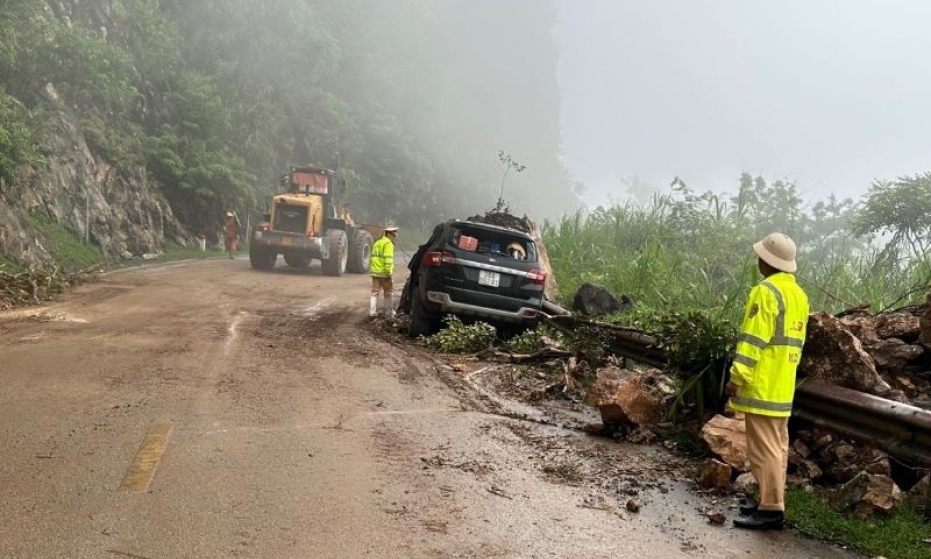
[489, 227]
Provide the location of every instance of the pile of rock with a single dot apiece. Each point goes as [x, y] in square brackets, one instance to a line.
[888, 355]
[864, 480]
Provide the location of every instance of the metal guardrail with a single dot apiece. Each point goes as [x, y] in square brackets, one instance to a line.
[901, 430]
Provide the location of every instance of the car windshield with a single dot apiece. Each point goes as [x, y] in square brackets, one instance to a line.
[499, 243]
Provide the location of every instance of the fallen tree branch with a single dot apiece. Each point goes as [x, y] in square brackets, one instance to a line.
[32, 287]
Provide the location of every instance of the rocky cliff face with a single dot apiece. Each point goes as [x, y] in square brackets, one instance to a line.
[115, 210]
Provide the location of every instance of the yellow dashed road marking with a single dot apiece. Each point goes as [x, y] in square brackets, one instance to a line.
[142, 469]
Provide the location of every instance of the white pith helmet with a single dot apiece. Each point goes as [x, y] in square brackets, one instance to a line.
[777, 250]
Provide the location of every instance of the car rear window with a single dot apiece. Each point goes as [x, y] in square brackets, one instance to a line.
[499, 243]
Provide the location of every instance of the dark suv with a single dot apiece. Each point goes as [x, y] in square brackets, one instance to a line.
[474, 270]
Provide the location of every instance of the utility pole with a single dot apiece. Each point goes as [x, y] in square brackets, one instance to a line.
[87, 216]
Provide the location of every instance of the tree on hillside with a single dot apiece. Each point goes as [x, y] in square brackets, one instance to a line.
[637, 189]
[901, 210]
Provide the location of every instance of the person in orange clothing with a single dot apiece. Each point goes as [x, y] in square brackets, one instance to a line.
[231, 231]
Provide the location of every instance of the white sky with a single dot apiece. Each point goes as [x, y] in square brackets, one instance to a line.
[828, 93]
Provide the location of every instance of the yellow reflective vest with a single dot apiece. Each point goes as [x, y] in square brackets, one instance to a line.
[382, 262]
[770, 346]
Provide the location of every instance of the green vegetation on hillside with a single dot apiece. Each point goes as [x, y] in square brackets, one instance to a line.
[216, 99]
[67, 250]
[686, 260]
[685, 250]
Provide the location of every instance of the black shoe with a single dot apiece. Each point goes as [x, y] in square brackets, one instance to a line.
[761, 520]
[748, 506]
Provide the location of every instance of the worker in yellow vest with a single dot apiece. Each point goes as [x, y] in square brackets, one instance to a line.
[381, 268]
[762, 379]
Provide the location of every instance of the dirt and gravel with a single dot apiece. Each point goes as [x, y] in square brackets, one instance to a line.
[299, 429]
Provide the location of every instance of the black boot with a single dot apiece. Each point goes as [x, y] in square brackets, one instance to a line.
[748, 506]
[762, 520]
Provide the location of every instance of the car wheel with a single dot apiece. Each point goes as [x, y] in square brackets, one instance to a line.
[423, 322]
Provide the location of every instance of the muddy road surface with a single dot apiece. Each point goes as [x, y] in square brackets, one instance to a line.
[205, 410]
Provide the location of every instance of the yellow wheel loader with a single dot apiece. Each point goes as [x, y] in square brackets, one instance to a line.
[309, 222]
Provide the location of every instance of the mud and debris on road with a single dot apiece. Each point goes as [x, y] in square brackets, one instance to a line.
[881, 354]
[300, 429]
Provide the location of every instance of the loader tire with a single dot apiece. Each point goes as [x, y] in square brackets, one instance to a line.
[360, 253]
[297, 259]
[262, 258]
[335, 265]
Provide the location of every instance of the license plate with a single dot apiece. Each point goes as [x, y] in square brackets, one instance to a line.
[286, 241]
[491, 279]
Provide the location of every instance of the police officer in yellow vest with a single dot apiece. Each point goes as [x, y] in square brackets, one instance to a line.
[762, 381]
[381, 268]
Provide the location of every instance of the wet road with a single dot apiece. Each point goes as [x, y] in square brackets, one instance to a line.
[203, 410]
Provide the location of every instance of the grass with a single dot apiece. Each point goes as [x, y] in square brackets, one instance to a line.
[900, 536]
[666, 262]
[69, 251]
[688, 266]
[8, 265]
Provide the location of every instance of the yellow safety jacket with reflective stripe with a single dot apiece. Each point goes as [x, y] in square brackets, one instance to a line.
[382, 262]
[770, 346]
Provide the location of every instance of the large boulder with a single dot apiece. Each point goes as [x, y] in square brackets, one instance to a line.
[631, 398]
[920, 491]
[902, 325]
[868, 495]
[833, 354]
[863, 327]
[870, 329]
[726, 437]
[893, 354]
[596, 300]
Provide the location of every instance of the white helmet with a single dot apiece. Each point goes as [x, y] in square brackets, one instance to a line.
[778, 251]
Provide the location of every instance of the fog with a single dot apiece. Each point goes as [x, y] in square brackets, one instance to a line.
[829, 94]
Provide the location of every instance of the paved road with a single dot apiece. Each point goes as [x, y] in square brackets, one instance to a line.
[205, 410]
